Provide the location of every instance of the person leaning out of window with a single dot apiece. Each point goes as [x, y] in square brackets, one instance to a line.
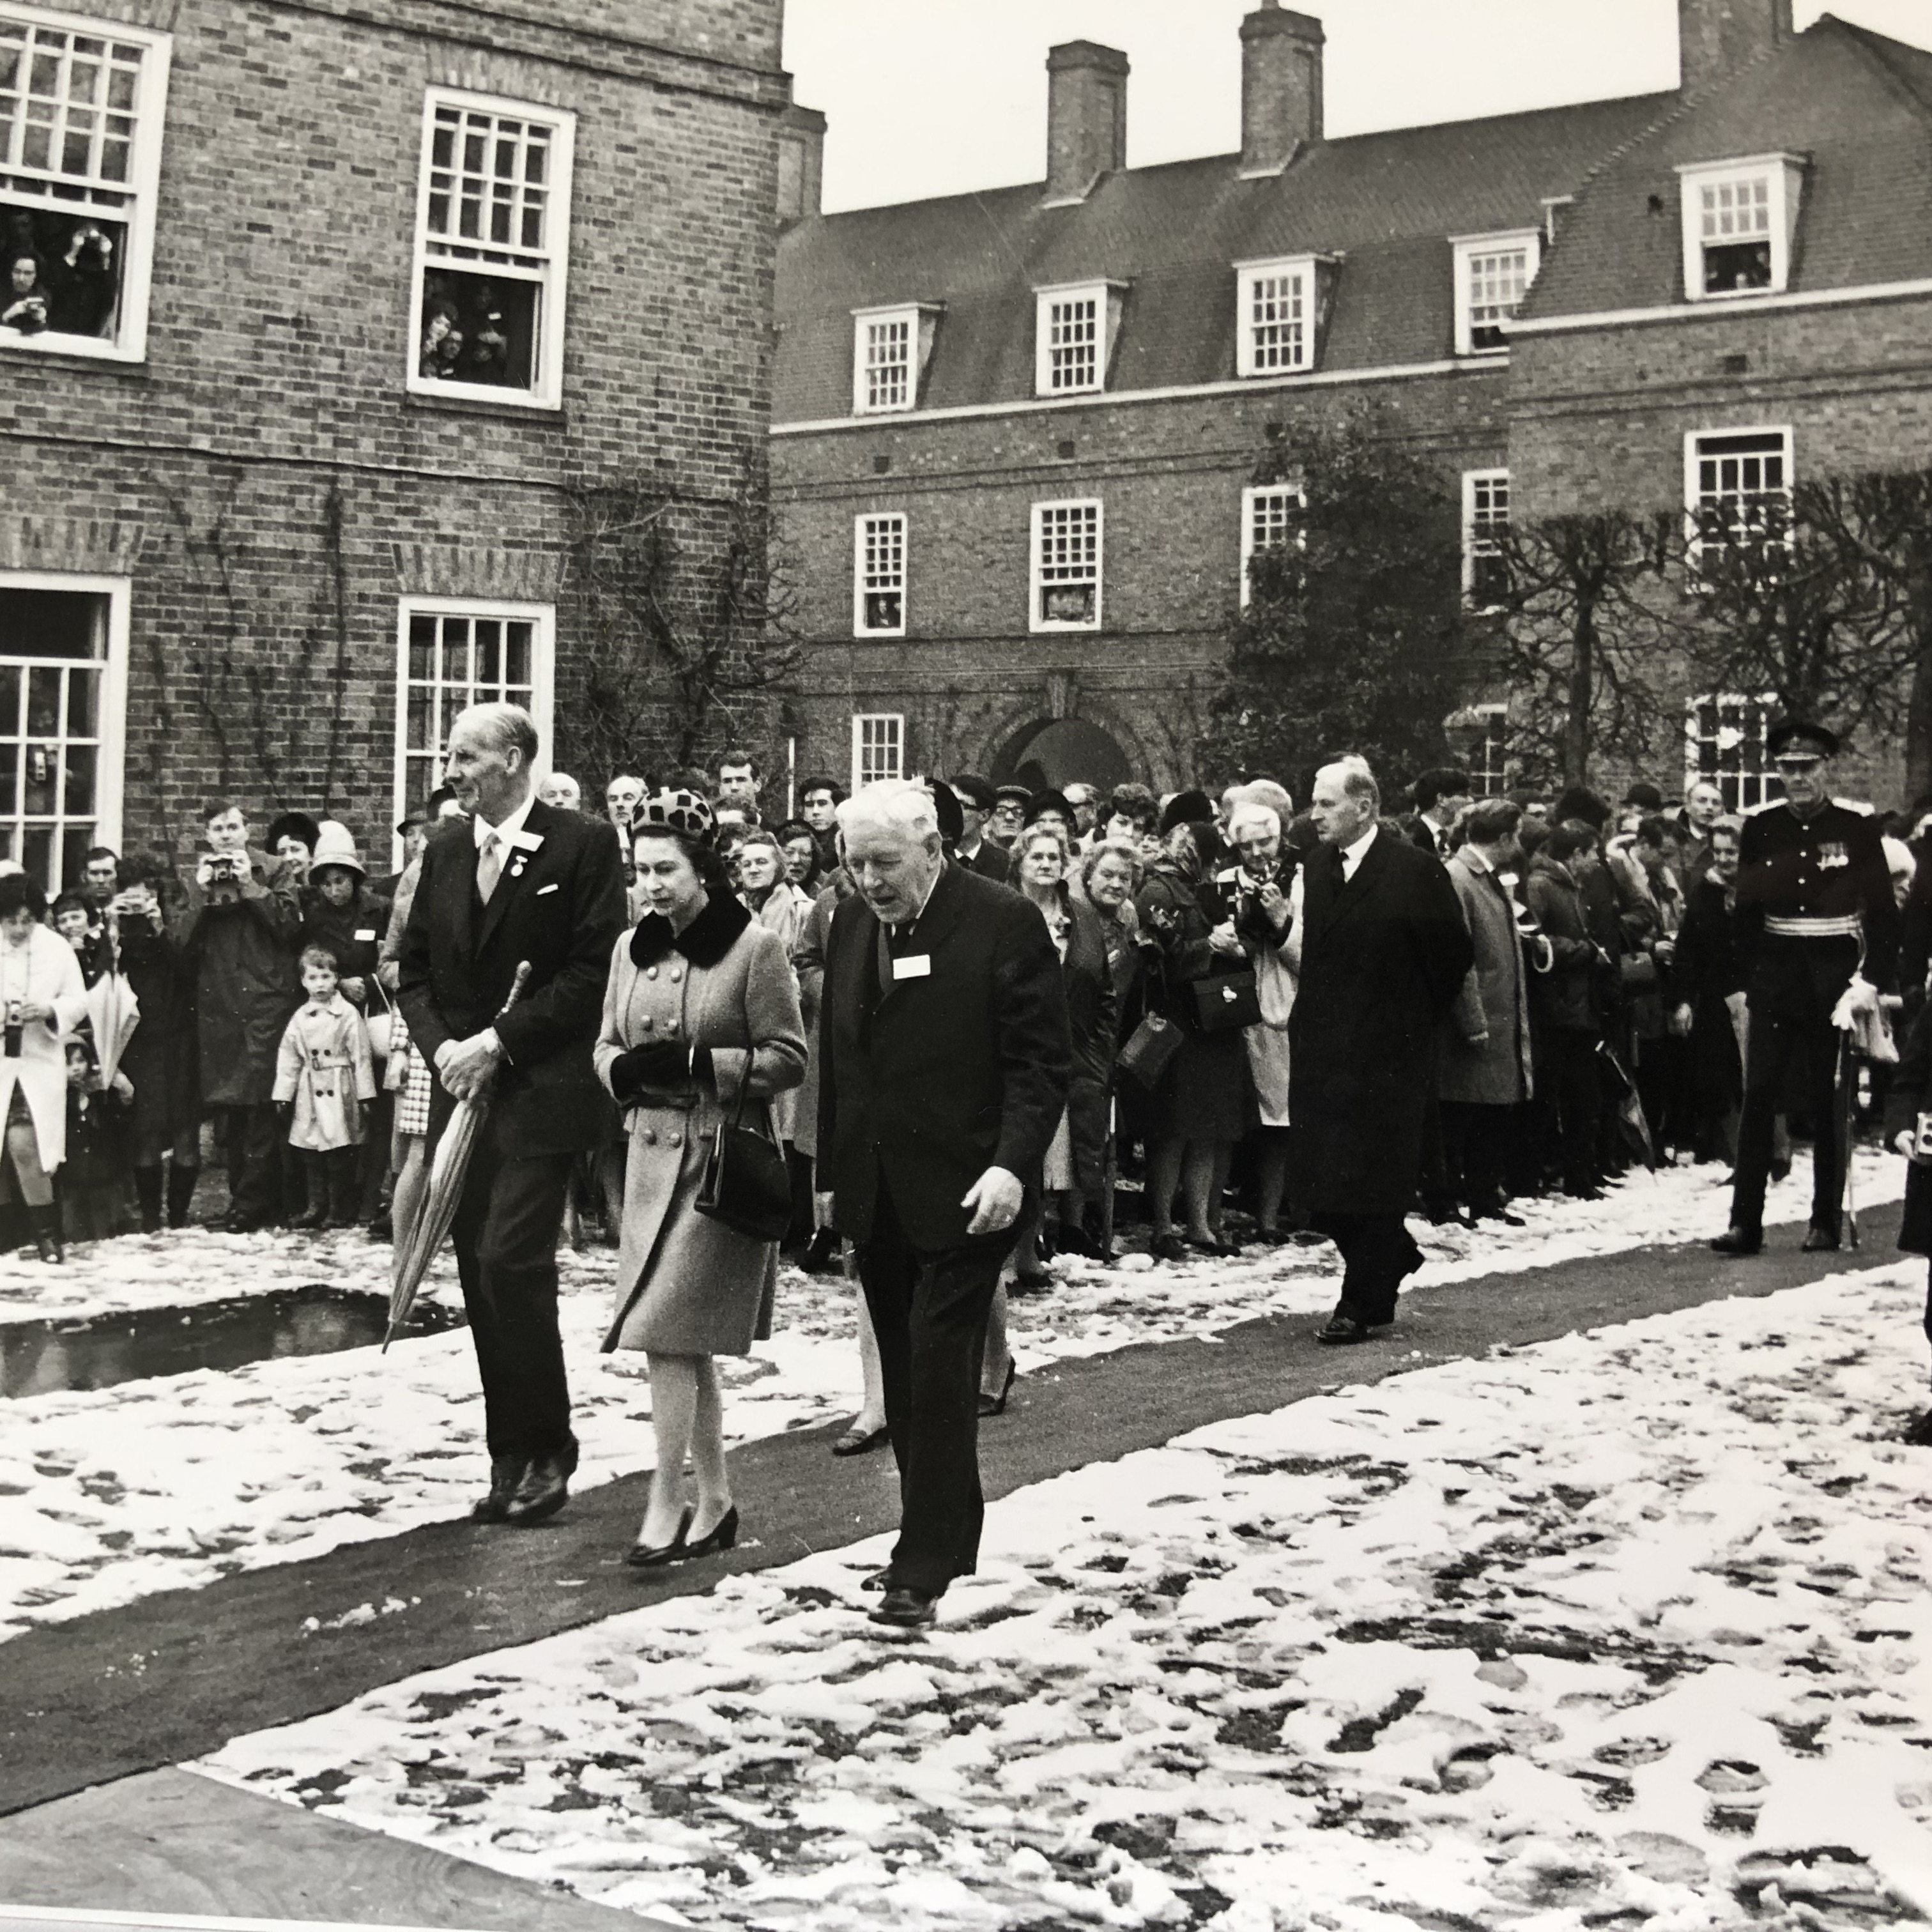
[701, 1011]
[42, 997]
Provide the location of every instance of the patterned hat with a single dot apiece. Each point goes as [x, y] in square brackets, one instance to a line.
[678, 811]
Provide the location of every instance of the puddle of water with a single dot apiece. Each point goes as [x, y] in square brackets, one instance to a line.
[46, 1357]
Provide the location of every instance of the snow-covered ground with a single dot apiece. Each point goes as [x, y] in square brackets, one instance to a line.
[109, 1496]
[1627, 1628]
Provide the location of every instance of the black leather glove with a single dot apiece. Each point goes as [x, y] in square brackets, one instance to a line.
[663, 1063]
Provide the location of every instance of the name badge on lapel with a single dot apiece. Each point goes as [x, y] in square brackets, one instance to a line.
[914, 966]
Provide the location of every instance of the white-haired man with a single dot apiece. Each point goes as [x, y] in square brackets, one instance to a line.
[516, 881]
[943, 1069]
[1384, 951]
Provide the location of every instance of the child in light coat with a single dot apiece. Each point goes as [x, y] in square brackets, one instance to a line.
[325, 1076]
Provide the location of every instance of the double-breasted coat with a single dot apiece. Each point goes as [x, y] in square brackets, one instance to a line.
[325, 1067]
[1382, 957]
[247, 986]
[688, 1284]
[1494, 1000]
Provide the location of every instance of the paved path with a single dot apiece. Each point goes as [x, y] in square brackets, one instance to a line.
[174, 1676]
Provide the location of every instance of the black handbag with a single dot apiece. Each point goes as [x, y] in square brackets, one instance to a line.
[747, 1186]
[1150, 1050]
[1228, 1000]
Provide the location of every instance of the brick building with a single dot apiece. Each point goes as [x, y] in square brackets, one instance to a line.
[313, 314]
[1015, 432]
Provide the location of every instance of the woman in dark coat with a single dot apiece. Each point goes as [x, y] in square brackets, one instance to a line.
[1908, 1101]
[1076, 1164]
[1110, 874]
[1708, 978]
[162, 1059]
[1199, 1109]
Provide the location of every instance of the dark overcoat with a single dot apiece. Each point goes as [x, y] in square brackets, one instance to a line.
[242, 953]
[928, 1081]
[1091, 1025]
[1382, 958]
[559, 904]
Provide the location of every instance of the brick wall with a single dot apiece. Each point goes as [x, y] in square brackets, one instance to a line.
[263, 476]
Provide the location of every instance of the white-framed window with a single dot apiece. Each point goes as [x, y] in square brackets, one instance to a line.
[1278, 304]
[1272, 517]
[1066, 556]
[1486, 519]
[878, 747]
[82, 106]
[63, 713]
[1724, 745]
[457, 651]
[1737, 487]
[879, 575]
[1488, 759]
[1494, 274]
[1073, 339]
[1739, 218]
[890, 349]
[492, 249]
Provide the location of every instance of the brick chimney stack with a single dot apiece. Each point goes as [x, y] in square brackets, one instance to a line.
[1086, 117]
[1714, 37]
[801, 164]
[1281, 87]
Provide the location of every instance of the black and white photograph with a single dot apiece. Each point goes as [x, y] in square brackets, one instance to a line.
[964, 965]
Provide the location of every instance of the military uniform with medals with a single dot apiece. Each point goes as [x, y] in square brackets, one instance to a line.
[1814, 906]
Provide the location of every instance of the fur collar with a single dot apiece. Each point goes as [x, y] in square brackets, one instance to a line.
[704, 942]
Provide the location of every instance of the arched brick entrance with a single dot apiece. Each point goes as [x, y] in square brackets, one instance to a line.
[1057, 751]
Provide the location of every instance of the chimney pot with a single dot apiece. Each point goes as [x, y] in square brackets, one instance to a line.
[1086, 117]
[1715, 37]
[801, 164]
[1281, 87]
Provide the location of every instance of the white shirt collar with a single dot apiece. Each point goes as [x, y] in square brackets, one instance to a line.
[511, 825]
[1351, 855]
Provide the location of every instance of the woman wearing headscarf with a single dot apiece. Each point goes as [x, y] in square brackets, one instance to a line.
[700, 1014]
[1198, 1108]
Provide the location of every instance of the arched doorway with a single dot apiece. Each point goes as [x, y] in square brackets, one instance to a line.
[1058, 752]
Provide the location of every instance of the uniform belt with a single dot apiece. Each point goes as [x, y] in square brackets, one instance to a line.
[1793, 927]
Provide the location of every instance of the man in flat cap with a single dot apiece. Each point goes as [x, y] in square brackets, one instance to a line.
[1815, 907]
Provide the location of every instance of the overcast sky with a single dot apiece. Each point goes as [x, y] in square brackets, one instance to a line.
[937, 97]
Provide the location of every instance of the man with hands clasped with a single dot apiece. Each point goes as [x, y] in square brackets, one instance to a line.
[944, 1068]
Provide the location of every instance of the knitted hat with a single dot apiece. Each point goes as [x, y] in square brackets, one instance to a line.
[1186, 807]
[335, 845]
[678, 811]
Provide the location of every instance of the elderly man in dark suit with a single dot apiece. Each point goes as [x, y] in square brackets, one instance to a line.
[515, 881]
[1384, 951]
[944, 1072]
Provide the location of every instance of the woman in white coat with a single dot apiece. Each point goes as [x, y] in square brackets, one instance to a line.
[42, 998]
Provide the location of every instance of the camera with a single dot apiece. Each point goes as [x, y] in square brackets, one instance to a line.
[16, 1029]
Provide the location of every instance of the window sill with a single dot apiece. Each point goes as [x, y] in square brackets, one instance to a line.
[105, 362]
[542, 416]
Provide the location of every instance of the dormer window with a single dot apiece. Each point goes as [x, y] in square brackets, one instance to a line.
[1739, 218]
[1280, 311]
[890, 349]
[1494, 274]
[1074, 334]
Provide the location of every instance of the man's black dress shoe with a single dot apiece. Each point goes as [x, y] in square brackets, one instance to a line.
[1919, 1435]
[1342, 1331]
[1821, 1241]
[545, 1489]
[904, 1608]
[505, 1473]
[1738, 1241]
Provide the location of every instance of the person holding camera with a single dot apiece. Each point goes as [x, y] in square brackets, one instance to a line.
[238, 928]
[42, 997]
[161, 1058]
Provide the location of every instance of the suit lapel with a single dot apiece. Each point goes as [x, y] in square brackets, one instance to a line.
[1368, 876]
[509, 882]
[941, 916]
[457, 885]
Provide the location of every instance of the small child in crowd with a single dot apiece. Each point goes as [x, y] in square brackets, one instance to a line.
[92, 1184]
[73, 920]
[325, 1076]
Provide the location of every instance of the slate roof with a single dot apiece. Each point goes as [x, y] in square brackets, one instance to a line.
[1388, 201]
[1858, 105]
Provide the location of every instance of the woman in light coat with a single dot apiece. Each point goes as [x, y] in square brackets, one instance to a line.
[701, 1006]
[42, 994]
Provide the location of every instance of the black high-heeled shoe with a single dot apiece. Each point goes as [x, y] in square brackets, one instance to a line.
[722, 1535]
[992, 1405]
[643, 1556]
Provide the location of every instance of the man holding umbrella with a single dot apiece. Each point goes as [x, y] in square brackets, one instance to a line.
[1815, 907]
[514, 882]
